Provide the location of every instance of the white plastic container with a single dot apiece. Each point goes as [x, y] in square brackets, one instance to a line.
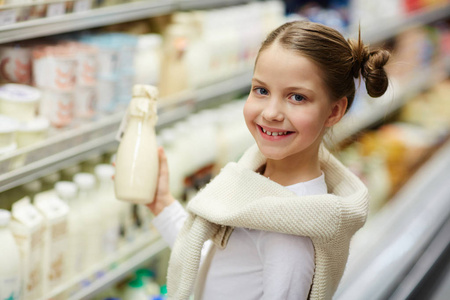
[10, 271]
[58, 107]
[91, 216]
[15, 64]
[8, 131]
[19, 101]
[137, 163]
[110, 207]
[55, 213]
[85, 102]
[147, 62]
[27, 226]
[135, 290]
[32, 132]
[67, 191]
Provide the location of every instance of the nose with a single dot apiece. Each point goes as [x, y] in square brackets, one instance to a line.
[273, 111]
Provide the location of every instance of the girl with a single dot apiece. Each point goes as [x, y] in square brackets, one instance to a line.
[281, 219]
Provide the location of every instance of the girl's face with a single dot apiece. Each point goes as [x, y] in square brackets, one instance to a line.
[288, 108]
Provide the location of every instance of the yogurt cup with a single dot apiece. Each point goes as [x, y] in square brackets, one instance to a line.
[19, 101]
[54, 67]
[85, 102]
[15, 64]
[58, 107]
[32, 132]
[8, 129]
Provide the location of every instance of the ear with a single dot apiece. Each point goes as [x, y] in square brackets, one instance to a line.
[337, 112]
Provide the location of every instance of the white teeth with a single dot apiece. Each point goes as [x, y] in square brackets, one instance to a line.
[273, 133]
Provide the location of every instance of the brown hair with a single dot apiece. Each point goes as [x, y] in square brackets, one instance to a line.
[339, 59]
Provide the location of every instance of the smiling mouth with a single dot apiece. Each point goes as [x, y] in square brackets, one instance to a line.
[275, 133]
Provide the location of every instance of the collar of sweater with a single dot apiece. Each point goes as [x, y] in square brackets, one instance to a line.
[240, 197]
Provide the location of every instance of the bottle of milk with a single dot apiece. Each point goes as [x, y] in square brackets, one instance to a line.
[137, 162]
[10, 279]
[91, 216]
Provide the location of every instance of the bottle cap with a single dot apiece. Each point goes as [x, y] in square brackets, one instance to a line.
[145, 273]
[84, 181]
[104, 171]
[5, 217]
[66, 189]
[136, 283]
[144, 90]
[163, 290]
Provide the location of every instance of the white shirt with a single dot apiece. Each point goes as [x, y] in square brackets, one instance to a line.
[255, 264]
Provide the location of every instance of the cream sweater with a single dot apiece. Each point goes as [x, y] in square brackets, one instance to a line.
[239, 197]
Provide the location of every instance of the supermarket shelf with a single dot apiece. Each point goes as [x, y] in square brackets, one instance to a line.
[383, 250]
[386, 29]
[71, 146]
[127, 259]
[376, 110]
[207, 4]
[101, 16]
[84, 20]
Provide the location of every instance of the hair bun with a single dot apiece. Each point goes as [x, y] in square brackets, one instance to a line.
[374, 74]
[371, 66]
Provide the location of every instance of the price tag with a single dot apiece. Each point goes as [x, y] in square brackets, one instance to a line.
[7, 17]
[82, 5]
[56, 9]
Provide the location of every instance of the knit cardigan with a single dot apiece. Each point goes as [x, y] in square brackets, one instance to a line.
[240, 197]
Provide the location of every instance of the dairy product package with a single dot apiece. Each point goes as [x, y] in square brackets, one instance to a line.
[19, 101]
[15, 64]
[137, 163]
[55, 213]
[10, 271]
[27, 226]
[8, 131]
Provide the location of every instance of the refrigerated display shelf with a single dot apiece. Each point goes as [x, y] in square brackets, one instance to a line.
[388, 245]
[102, 16]
[126, 260]
[385, 29]
[144, 9]
[375, 110]
[71, 146]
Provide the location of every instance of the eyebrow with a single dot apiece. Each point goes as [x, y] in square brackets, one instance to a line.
[289, 88]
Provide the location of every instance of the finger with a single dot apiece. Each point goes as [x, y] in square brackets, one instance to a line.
[163, 167]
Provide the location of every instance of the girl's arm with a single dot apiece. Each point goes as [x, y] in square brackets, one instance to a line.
[169, 214]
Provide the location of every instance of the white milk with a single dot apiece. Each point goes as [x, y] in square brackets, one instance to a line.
[27, 226]
[75, 262]
[137, 162]
[92, 217]
[110, 208]
[55, 212]
[10, 271]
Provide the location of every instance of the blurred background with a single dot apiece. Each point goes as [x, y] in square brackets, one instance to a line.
[67, 69]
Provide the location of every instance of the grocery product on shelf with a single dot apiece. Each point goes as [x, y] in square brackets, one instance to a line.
[55, 213]
[10, 271]
[27, 226]
[135, 290]
[147, 276]
[8, 131]
[67, 191]
[15, 64]
[32, 132]
[110, 207]
[19, 101]
[92, 219]
[137, 162]
[148, 59]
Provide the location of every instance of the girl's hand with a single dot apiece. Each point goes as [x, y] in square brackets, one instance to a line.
[163, 197]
